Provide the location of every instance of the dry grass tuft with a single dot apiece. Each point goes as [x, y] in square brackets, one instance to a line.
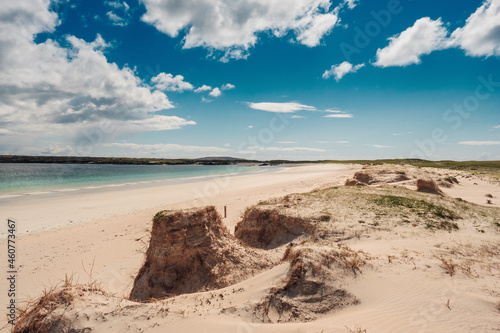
[40, 315]
[428, 186]
[356, 329]
[448, 266]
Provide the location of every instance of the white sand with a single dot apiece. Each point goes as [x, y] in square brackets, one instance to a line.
[60, 233]
[110, 228]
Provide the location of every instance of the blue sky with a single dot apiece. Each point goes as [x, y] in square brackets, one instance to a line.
[257, 79]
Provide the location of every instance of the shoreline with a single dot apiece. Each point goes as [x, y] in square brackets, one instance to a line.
[110, 182]
[15, 205]
[107, 231]
[106, 246]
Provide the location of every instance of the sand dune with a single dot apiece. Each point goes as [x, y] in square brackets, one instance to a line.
[395, 259]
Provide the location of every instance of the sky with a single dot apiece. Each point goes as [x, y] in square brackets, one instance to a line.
[254, 79]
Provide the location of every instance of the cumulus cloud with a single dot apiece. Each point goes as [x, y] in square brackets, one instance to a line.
[424, 37]
[481, 34]
[290, 107]
[297, 117]
[227, 86]
[203, 88]
[215, 92]
[168, 82]
[51, 90]
[340, 70]
[380, 146]
[233, 26]
[480, 143]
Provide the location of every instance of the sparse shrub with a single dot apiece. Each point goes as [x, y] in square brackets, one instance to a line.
[428, 186]
[38, 315]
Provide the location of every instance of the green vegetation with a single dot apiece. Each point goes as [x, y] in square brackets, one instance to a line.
[478, 166]
[120, 160]
[422, 206]
[464, 165]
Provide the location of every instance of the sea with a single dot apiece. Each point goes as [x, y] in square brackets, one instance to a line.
[27, 178]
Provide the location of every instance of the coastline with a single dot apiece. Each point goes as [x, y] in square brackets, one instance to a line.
[403, 268]
[105, 230]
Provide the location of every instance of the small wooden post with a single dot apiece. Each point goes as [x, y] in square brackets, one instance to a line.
[225, 212]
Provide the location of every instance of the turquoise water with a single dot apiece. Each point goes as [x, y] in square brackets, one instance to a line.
[22, 177]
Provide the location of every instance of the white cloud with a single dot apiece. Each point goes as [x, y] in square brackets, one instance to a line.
[51, 90]
[380, 146]
[165, 147]
[227, 145]
[342, 142]
[297, 117]
[227, 86]
[119, 15]
[233, 26]
[340, 70]
[406, 48]
[497, 126]
[215, 92]
[480, 143]
[292, 149]
[289, 107]
[481, 34]
[157, 123]
[339, 115]
[286, 142]
[203, 88]
[286, 149]
[250, 126]
[351, 3]
[168, 82]
[316, 28]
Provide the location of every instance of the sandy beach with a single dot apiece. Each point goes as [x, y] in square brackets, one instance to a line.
[61, 233]
[101, 236]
